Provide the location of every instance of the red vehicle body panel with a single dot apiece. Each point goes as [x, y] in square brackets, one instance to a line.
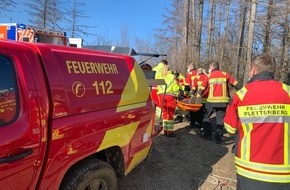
[72, 103]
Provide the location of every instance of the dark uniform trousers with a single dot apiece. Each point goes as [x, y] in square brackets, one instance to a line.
[196, 118]
[250, 184]
[219, 109]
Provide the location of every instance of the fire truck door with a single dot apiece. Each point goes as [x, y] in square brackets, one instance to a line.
[20, 134]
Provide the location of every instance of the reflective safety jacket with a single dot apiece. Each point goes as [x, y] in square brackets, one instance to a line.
[158, 70]
[172, 87]
[218, 84]
[260, 116]
[181, 81]
[190, 76]
[199, 80]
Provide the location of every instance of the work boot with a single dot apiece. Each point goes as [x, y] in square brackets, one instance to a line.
[165, 133]
[206, 133]
[170, 134]
[218, 139]
[193, 132]
[206, 136]
[218, 134]
[178, 119]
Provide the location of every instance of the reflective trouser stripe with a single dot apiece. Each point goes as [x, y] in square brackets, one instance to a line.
[168, 125]
[158, 112]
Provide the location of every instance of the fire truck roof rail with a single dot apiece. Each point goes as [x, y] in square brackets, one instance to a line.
[39, 30]
[122, 50]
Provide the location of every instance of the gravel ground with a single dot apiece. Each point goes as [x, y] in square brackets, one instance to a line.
[184, 162]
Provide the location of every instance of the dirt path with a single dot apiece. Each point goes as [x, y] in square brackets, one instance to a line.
[185, 162]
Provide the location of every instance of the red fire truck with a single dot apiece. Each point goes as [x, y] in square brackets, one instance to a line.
[70, 118]
[26, 33]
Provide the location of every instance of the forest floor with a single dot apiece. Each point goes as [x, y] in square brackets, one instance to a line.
[184, 162]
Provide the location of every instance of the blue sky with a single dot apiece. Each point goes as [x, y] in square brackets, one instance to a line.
[140, 17]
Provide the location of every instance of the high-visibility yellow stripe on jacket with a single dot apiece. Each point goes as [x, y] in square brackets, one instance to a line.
[260, 114]
[218, 84]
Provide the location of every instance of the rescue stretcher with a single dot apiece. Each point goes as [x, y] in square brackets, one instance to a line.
[186, 105]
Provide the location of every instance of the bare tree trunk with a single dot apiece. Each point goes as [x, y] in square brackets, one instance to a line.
[244, 9]
[224, 41]
[194, 32]
[250, 39]
[44, 13]
[124, 36]
[74, 18]
[185, 25]
[200, 19]
[267, 38]
[285, 45]
[210, 31]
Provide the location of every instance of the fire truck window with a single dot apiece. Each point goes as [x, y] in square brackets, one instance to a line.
[8, 88]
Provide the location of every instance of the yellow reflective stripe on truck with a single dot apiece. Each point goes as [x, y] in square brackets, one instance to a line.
[142, 154]
[119, 136]
[138, 158]
[135, 91]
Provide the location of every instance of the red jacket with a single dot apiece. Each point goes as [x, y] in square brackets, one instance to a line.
[198, 82]
[260, 115]
[218, 84]
[190, 76]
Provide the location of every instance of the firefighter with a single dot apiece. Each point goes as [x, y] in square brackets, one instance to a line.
[217, 83]
[168, 101]
[190, 75]
[196, 118]
[180, 79]
[154, 95]
[259, 115]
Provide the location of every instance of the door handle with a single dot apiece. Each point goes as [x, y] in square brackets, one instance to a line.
[16, 157]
